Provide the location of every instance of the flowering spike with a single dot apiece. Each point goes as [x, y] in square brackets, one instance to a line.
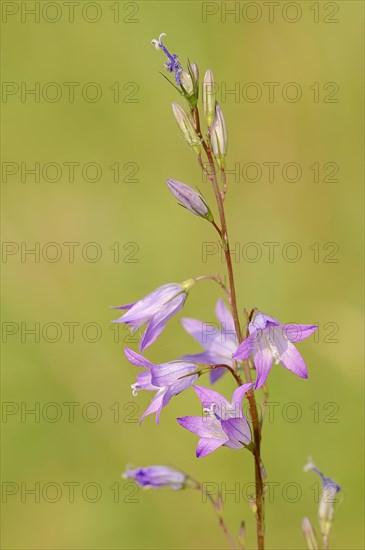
[218, 134]
[209, 97]
[190, 199]
[186, 127]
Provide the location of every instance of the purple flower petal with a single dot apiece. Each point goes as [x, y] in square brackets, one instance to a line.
[204, 357]
[157, 403]
[210, 397]
[216, 374]
[292, 360]
[159, 320]
[296, 333]
[207, 446]
[240, 392]
[263, 361]
[237, 430]
[260, 321]
[245, 348]
[137, 360]
[204, 426]
[143, 382]
[224, 316]
[194, 327]
[126, 306]
[166, 374]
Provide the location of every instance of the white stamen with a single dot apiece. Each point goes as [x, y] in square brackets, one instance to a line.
[155, 43]
[209, 410]
[135, 388]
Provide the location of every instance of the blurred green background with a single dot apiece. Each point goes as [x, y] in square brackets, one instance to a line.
[158, 242]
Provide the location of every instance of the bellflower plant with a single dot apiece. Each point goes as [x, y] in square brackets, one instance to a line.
[244, 344]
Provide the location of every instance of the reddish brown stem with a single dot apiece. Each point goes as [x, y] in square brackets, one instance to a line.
[251, 396]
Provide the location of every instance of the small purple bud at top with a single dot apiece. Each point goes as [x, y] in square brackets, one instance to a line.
[190, 199]
[209, 97]
[218, 135]
[152, 477]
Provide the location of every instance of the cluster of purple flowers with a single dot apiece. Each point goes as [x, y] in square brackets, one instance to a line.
[268, 342]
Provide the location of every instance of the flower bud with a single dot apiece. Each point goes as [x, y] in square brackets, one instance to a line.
[218, 135]
[186, 127]
[209, 97]
[327, 501]
[190, 199]
[153, 477]
[187, 82]
[309, 535]
[190, 84]
[326, 507]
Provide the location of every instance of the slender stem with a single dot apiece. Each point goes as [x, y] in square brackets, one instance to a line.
[217, 508]
[215, 278]
[264, 403]
[224, 179]
[232, 371]
[217, 228]
[250, 394]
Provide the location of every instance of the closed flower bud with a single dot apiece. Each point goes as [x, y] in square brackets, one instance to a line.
[309, 535]
[190, 199]
[153, 477]
[326, 507]
[187, 128]
[218, 135]
[187, 82]
[209, 97]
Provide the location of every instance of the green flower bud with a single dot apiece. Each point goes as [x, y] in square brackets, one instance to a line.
[186, 127]
[209, 97]
[218, 135]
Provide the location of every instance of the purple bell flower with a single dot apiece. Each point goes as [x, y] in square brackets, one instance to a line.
[166, 379]
[270, 341]
[225, 423]
[219, 343]
[155, 309]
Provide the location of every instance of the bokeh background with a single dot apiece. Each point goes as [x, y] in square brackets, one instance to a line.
[143, 239]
